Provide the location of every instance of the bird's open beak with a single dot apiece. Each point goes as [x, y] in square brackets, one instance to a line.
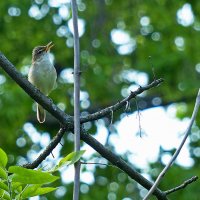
[49, 46]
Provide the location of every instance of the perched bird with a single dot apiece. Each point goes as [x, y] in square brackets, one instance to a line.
[42, 74]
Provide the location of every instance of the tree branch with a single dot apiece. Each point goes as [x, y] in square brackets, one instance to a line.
[34, 93]
[67, 120]
[182, 186]
[54, 142]
[120, 104]
[121, 164]
[161, 175]
[47, 103]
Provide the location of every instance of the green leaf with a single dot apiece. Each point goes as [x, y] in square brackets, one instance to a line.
[3, 158]
[29, 176]
[77, 156]
[70, 159]
[4, 195]
[3, 173]
[37, 191]
[16, 187]
[3, 186]
[29, 191]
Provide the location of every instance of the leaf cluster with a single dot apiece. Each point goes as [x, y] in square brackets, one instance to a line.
[19, 183]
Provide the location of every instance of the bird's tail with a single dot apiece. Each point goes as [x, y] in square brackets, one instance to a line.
[41, 114]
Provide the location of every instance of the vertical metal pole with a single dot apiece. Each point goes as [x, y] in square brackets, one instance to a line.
[76, 98]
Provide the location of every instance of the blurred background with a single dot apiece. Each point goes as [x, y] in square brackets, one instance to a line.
[116, 40]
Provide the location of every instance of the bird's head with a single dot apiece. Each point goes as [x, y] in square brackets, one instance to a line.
[40, 51]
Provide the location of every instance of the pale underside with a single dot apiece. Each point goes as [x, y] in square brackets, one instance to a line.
[43, 75]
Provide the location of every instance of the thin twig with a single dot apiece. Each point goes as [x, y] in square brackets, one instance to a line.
[161, 175]
[52, 154]
[95, 163]
[139, 119]
[54, 142]
[120, 104]
[111, 117]
[182, 186]
[152, 68]
[127, 107]
[76, 190]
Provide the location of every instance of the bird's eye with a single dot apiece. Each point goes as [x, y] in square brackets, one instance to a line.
[40, 51]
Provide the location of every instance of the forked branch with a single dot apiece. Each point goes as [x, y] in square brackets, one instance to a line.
[67, 120]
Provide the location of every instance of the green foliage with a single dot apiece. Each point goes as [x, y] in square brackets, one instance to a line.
[70, 159]
[28, 176]
[3, 158]
[20, 183]
[36, 190]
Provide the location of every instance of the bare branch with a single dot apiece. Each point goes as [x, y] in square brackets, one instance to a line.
[117, 106]
[47, 151]
[67, 120]
[161, 175]
[121, 164]
[48, 105]
[182, 186]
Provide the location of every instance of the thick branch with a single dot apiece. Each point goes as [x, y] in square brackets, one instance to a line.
[68, 120]
[47, 103]
[121, 164]
[34, 93]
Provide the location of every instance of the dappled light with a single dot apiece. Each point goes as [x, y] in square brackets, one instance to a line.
[125, 46]
[185, 15]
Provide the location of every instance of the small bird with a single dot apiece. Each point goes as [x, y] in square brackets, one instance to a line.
[42, 74]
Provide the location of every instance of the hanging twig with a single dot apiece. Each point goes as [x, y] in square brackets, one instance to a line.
[161, 175]
[106, 111]
[76, 98]
[127, 107]
[139, 119]
[111, 117]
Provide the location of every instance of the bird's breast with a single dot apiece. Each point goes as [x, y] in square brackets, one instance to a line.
[43, 75]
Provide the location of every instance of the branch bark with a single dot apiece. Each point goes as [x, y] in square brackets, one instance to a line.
[67, 121]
